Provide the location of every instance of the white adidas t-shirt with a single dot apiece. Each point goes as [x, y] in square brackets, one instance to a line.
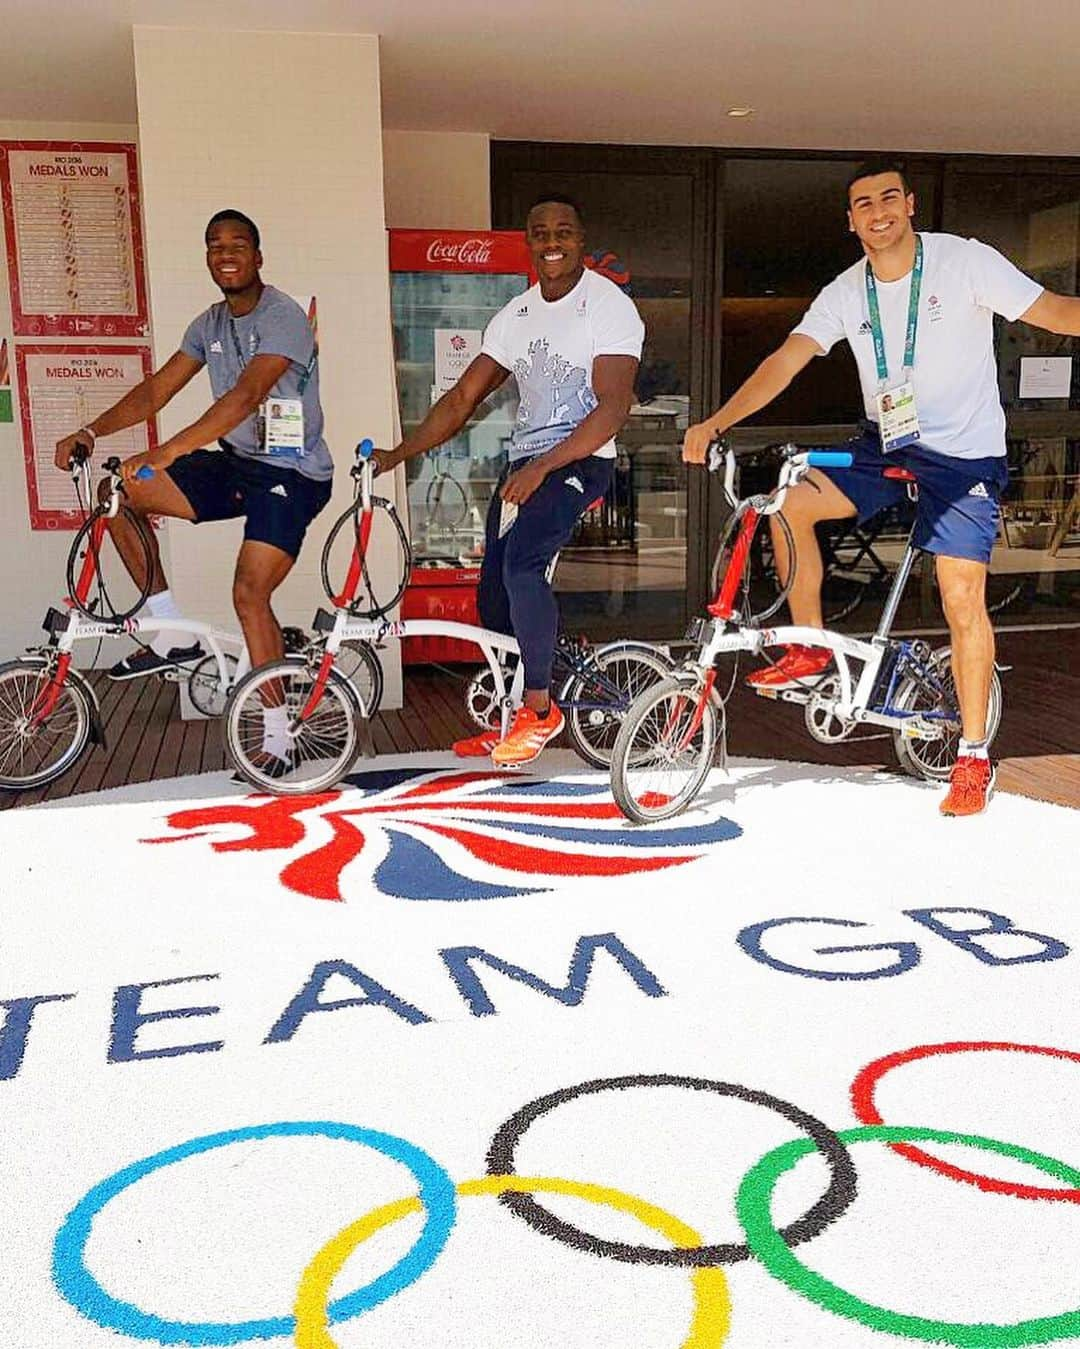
[964, 284]
[550, 347]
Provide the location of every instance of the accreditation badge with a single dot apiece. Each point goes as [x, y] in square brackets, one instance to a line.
[898, 418]
[283, 426]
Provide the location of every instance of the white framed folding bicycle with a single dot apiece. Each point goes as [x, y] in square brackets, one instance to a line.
[327, 704]
[666, 745]
[49, 711]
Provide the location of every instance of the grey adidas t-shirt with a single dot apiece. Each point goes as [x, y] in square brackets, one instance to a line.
[277, 326]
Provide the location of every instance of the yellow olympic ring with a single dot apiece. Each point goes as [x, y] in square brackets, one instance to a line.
[712, 1303]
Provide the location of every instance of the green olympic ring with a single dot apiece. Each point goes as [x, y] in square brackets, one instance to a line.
[753, 1206]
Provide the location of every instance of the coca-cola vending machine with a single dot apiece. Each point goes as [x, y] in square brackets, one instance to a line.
[445, 286]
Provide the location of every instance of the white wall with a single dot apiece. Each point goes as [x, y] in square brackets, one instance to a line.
[438, 180]
[31, 561]
[291, 135]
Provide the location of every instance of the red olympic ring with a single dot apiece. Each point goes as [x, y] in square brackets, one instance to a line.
[862, 1100]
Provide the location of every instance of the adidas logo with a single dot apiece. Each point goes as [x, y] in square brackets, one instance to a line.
[215, 347]
[979, 490]
[523, 312]
[864, 327]
[576, 482]
[279, 491]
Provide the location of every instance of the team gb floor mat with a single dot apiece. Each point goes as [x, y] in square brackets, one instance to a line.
[456, 1060]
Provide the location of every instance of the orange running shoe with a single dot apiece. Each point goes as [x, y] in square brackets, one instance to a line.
[527, 737]
[970, 786]
[476, 746]
[798, 663]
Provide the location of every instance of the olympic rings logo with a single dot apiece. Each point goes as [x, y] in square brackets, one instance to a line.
[314, 1313]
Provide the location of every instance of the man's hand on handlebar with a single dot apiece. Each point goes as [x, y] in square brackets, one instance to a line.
[696, 442]
[382, 461]
[73, 451]
[155, 460]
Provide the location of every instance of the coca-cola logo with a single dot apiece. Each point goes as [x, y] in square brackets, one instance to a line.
[467, 252]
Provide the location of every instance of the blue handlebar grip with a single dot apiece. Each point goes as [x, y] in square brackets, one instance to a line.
[365, 449]
[830, 459]
[145, 472]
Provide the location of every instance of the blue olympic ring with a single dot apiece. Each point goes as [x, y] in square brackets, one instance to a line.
[87, 1296]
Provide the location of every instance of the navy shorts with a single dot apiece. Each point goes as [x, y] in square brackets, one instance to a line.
[278, 503]
[957, 513]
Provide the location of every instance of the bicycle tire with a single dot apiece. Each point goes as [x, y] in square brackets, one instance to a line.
[204, 685]
[932, 760]
[375, 608]
[69, 723]
[359, 664]
[433, 507]
[636, 771]
[330, 737]
[759, 583]
[630, 667]
[74, 558]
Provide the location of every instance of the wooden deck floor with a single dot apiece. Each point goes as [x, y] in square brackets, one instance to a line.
[1039, 741]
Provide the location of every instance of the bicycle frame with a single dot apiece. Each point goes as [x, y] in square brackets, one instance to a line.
[725, 633]
[68, 628]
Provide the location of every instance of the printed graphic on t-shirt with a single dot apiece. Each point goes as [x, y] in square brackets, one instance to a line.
[555, 398]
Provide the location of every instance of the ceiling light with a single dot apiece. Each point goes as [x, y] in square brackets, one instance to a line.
[740, 112]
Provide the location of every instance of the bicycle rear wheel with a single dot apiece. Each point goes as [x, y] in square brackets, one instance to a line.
[322, 748]
[596, 701]
[934, 696]
[118, 596]
[385, 558]
[664, 750]
[34, 753]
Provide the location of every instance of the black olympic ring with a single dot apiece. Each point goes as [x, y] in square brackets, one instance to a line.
[841, 1191]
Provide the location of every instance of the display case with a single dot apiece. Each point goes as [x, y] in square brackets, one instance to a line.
[446, 286]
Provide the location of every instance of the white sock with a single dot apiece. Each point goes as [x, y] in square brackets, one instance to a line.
[276, 731]
[163, 605]
[973, 749]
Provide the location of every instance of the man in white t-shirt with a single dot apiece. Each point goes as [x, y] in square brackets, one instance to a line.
[572, 342]
[918, 313]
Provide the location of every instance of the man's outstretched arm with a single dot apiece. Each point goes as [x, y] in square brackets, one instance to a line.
[767, 382]
[137, 405]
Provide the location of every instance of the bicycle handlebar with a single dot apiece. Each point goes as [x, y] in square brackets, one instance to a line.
[829, 459]
[365, 449]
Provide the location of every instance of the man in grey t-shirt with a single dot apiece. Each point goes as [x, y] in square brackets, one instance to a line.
[273, 466]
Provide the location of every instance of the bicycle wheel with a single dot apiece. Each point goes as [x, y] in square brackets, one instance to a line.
[385, 560]
[934, 696]
[446, 503]
[207, 693]
[34, 754]
[595, 701]
[359, 664]
[322, 747]
[117, 596]
[760, 593]
[664, 750]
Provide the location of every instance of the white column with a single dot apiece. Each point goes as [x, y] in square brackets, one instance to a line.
[285, 127]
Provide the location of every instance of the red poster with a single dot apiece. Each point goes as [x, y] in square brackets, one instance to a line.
[459, 251]
[60, 389]
[74, 239]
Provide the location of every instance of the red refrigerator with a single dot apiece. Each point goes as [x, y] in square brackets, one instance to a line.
[446, 285]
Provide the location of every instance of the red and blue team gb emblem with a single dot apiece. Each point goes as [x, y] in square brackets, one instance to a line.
[437, 835]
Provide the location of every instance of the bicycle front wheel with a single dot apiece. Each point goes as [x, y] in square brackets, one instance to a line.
[664, 750]
[596, 700]
[321, 748]
[35, 749]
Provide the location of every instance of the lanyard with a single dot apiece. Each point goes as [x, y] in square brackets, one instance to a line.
[303, 382]
[912, 317]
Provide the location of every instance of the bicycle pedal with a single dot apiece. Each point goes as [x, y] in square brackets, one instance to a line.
[766, 692]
